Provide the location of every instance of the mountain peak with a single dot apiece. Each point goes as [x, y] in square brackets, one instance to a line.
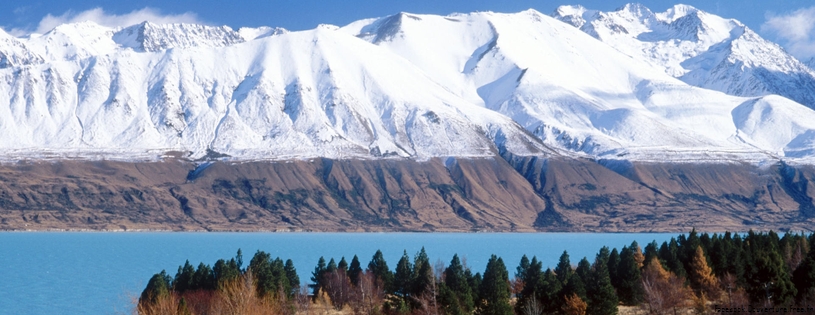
[151, 37]
[637, 9]
[677, 11]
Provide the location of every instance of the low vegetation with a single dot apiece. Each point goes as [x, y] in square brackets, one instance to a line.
[691, 274]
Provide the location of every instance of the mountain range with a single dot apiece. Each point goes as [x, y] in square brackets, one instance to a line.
[579, 120]
[679, 85]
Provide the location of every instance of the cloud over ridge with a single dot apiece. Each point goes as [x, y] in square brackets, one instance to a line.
[796, 29]
[99, 16]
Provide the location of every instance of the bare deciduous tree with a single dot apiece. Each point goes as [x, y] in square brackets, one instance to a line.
[338, 288]
[532, 307]
[368, 295]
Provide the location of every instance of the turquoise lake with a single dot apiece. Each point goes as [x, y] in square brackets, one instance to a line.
[103, 273]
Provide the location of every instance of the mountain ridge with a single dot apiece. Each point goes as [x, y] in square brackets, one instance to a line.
[410, 85]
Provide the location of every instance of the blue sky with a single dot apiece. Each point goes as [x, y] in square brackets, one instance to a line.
[788, 22]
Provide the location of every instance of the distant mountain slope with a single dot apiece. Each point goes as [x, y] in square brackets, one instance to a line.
[699, 48]
[412, 86]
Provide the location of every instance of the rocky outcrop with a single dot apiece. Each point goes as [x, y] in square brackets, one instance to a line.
[454, 194]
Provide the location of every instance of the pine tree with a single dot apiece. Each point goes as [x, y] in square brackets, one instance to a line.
[804, 277]
[520, 271]
[157, 287]
[549, 292]
[379, 267]
[575, 286]
[602, 299]
[630, 287]
[291, 275]
[343, 265]
[423, 277]
[614, 266]
[224, 271]
[651, 251]
[317, 277]
[459, 299]
[403, 278]
[332, 266]
[494, 291]
[203, 278]
[183, 278]
[766, 273]
[355, 271]
[532, 275]
[564, 268]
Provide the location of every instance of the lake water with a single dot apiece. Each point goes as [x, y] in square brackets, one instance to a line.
[103, 273]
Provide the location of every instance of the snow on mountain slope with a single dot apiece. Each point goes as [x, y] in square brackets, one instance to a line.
[153, 37]
[14, 53]
[313, 93]
[252, 33]
[699, 48]
[408, 85]
[570, 90]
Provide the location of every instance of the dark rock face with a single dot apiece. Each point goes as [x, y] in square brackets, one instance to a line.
[511, 194]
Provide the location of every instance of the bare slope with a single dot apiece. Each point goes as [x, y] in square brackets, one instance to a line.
[523, 194]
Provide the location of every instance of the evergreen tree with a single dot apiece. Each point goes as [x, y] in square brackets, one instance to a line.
[355, 271]
[379, 267]
[669, 253]
[343, 265]
[688, 248]
[423, 277]
[651, 252]
[549, 292]
[403, 278]
[614, 266]
[766, 274]
[533, 275]
[183, 278]
[804, 277]
[630, 278]
[157, 287]
[494, 291]
[575, 286]
[332, 266]
[584, 270]
[602, 299]
[563, 270]
[270, 275]
[291, 275]
[448, 301]
[203, 278]
[239, 259]
[520, 271]
[317, 277]
[225, 271]
[457, 294]
[474, 280]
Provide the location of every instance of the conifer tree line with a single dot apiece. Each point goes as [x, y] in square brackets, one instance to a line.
[692, 273]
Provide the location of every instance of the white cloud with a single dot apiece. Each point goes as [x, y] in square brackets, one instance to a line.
[99, 16]
[796, 30]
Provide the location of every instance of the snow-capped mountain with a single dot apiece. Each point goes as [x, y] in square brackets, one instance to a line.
[408, 85]
[699, 48]
[152, 37]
